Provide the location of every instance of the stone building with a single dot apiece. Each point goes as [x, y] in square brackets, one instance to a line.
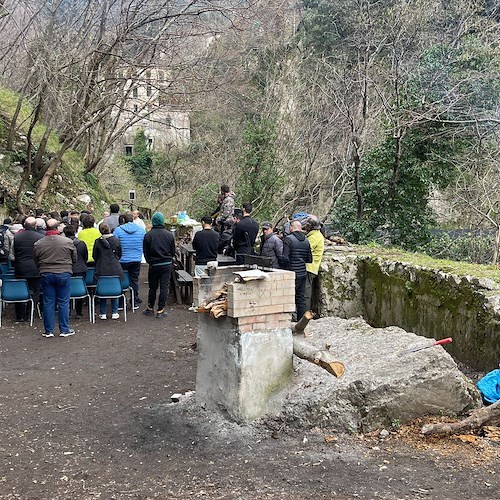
[152, 105]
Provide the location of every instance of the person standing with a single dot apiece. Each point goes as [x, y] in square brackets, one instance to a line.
[317, 242]
[21, 255]
[113, 219]
[270, 245]
[137, 219]
[296, 253]
[226, 206]
[205, 244]
[106, 254]
[159, 251]
[131, 237]
[55, 255]
[4, 251]
[245, 234]
[80, 266]
[88, 235]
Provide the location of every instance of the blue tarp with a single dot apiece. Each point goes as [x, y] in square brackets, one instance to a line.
[489, 386]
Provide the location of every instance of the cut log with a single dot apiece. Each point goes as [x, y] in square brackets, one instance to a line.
[475, 420]
[309, 352]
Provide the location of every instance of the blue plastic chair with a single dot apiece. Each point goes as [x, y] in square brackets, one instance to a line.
[126, 287]
[79, 291]
[5, 267]
[109, 287]
[13, 291]
[89, 280]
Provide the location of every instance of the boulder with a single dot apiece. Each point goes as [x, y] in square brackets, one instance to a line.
[84, 198]
[381, 385]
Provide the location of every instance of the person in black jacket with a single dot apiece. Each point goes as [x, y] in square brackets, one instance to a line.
[245, 234]
[205, 244]
[159, 251]
[80, 266]
[21, 255]
[296, 254]
[106, 253]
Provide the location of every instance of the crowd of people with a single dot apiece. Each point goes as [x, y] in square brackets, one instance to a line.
[234, 232]
[48, 249]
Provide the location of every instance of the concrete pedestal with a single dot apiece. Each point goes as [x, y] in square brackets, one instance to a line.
[245, 358]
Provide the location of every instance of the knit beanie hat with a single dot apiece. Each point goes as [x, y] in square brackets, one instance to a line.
[158, 219]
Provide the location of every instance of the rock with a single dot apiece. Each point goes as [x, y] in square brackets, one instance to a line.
[84, 198]
[379, 386]
[485, 283]
[175, 398]
[384, 433]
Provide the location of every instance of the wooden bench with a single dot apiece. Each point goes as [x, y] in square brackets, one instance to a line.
[184, 280]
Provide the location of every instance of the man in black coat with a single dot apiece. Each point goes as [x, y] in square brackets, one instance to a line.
[205, 244]
[21, 255]
[159, 252]
[296, 254]
[245, 234]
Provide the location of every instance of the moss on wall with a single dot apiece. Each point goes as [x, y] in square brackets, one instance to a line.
[426, 301]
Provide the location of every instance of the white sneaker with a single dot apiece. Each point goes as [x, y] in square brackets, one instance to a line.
[102, 316]
[115, 316]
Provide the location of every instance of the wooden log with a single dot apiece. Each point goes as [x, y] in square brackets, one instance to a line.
[309, 352]
[475, 420]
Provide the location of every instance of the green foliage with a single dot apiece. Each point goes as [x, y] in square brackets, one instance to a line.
[204, 200]
[141, 162]
[260, 179]
[477, 249]
[395, 203]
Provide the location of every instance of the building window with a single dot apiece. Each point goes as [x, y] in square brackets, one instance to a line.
[135, 92]
[129, 150]
[148, 90]
[150, 143]
[168, 121]
[136, 108]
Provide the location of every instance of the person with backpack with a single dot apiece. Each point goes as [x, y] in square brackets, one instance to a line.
[296, 254]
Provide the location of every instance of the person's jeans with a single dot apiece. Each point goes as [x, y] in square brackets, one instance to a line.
[133, 268]
[158, 276]
[103, 306]
[300, 300]
[56, 288]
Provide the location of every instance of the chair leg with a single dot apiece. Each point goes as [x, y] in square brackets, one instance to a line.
[132, 299]
[90, 307]
[32, 311]
[1, 312]
[124, 308]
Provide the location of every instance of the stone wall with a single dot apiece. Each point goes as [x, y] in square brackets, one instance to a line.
[421, 300]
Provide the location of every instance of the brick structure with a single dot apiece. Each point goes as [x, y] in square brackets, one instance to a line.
[245, 358]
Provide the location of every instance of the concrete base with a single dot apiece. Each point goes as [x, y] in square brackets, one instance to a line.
[245, 374]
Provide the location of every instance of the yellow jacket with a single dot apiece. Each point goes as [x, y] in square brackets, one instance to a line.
[88, 236]
[317, 242]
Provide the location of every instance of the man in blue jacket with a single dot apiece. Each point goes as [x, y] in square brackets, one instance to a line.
[131, 238]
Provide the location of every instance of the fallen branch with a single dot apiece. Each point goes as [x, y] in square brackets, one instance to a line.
[309, 352]
[476, 419]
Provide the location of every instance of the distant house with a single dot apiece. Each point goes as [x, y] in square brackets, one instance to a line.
[152, 104]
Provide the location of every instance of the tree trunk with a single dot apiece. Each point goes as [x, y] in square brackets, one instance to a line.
[474, 421]
[496, 248]
[307, 351]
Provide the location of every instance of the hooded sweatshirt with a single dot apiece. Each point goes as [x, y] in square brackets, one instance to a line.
[131, 237]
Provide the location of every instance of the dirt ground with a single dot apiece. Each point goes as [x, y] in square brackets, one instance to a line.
[90, 417]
